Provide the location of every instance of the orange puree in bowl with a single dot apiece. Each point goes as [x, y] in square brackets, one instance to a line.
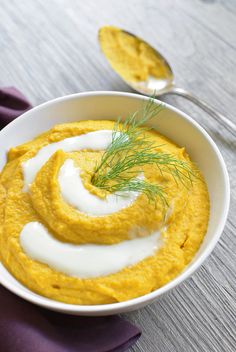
[182, 232]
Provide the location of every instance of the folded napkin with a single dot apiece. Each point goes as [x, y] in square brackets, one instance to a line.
[12, 104]
[26, 328]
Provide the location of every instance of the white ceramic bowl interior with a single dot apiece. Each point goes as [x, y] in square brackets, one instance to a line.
[171, 122]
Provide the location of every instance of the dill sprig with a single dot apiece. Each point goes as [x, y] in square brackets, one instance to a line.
[151, 190]
[130, 150]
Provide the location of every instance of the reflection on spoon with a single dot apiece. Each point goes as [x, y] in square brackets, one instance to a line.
[145, 69]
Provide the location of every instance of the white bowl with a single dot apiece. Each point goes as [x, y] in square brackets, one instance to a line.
[171, 122]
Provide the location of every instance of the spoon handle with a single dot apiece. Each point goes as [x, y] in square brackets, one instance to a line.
[231, 127]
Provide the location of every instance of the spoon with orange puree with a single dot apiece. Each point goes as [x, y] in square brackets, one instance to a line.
[145, 69]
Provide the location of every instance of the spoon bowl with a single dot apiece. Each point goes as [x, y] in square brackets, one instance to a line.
[152, 85]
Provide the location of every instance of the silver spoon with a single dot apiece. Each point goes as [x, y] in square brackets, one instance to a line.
[164, 86]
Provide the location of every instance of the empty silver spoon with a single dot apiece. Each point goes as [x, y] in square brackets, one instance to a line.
[166, 85]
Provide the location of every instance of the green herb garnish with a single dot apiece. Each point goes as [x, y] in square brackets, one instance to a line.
[130, 150]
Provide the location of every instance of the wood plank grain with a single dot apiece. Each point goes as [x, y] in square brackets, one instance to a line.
[49, 48]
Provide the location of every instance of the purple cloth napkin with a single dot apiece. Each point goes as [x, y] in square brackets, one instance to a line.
[26, 328]
[12, 104]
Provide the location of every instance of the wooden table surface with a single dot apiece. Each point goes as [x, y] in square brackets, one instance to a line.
[49, 49]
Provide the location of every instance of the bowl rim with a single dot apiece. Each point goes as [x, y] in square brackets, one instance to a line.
[128, 305]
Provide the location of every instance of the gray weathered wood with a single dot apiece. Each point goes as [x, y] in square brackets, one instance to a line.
[49, 48]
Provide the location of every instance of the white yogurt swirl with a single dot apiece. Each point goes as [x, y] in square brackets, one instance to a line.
[86, 260]
[98, 140]
[74, 193]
